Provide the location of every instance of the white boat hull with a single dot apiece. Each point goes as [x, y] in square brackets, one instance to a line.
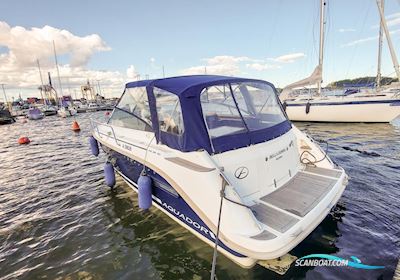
[64, 113]
[238, 231]
[364, 112]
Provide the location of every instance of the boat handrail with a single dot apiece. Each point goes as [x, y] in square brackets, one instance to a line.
[95, 127]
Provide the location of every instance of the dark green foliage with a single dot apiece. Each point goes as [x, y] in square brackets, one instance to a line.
[362, 80]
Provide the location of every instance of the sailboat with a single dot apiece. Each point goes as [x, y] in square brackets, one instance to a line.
[382, 104]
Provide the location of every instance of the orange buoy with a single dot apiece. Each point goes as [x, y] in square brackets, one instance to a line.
[75, 126]
[23, 140]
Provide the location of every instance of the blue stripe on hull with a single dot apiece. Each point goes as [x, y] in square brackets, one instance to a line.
[173, 203]
[393, 102]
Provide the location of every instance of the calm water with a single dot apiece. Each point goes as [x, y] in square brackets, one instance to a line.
[58, 220]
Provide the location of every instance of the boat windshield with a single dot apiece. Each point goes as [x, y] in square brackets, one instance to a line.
[132, 111]
[240, 107]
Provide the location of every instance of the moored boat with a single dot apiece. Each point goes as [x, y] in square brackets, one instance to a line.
[379, 105]
[49, 110]
[34, 114]
[6, 117]
[215, 148]
[357, 107]
[65, 112]
[92, 107]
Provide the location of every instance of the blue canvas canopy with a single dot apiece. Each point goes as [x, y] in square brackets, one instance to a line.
[195, 136]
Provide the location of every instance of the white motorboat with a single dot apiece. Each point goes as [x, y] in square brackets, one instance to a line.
[19, 110]
[92, 107]
[213, 147]
[65, 112]
[49, 110]
[377, 105]
[82, 107]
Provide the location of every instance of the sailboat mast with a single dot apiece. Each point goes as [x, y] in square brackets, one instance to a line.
[58, 70]
[379, 75]
[41, 81]
[5, 98]
[389, 40]
[321, 39]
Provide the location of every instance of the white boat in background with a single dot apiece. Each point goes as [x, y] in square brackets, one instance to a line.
[82, 107]
[65, 112]
[92, 107]
[214, 148]
[362, 106]
[19, 111]
[49, 110]
[382, 104]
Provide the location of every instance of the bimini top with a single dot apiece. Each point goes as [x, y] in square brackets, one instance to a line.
[183, 85]
[214, 113]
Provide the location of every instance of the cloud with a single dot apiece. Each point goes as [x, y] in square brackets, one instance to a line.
[391, 20]
[226, 59]
[217, 65]
[220, 69]
[72, 78]
[289, 58]
[20, 47]
[367, 39]
[343, 30]
[131, 73]
[26, 45]
[233, 65]
[261, 66]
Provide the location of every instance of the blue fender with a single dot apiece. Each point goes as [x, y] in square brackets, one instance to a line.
[144, 192]
[109, 174]
[94, 147]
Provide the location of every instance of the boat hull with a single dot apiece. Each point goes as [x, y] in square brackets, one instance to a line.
[6, 121]
[50, 112]
[368, 112]
[67, 113]
[166, 199]
[244, 249]
[35, 117]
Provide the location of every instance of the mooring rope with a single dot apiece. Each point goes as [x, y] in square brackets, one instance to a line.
[312, 162]
[145, 155]
[215, 253]
[214, 260]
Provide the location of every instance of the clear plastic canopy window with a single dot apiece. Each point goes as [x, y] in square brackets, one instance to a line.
[135, 101]
[235, 108]
[169, 111]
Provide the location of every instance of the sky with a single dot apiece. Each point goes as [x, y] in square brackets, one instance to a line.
[113, 42]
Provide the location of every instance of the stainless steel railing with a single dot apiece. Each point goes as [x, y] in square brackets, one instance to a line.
[95, 127]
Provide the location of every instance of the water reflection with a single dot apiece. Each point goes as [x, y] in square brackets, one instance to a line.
[58, 220]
